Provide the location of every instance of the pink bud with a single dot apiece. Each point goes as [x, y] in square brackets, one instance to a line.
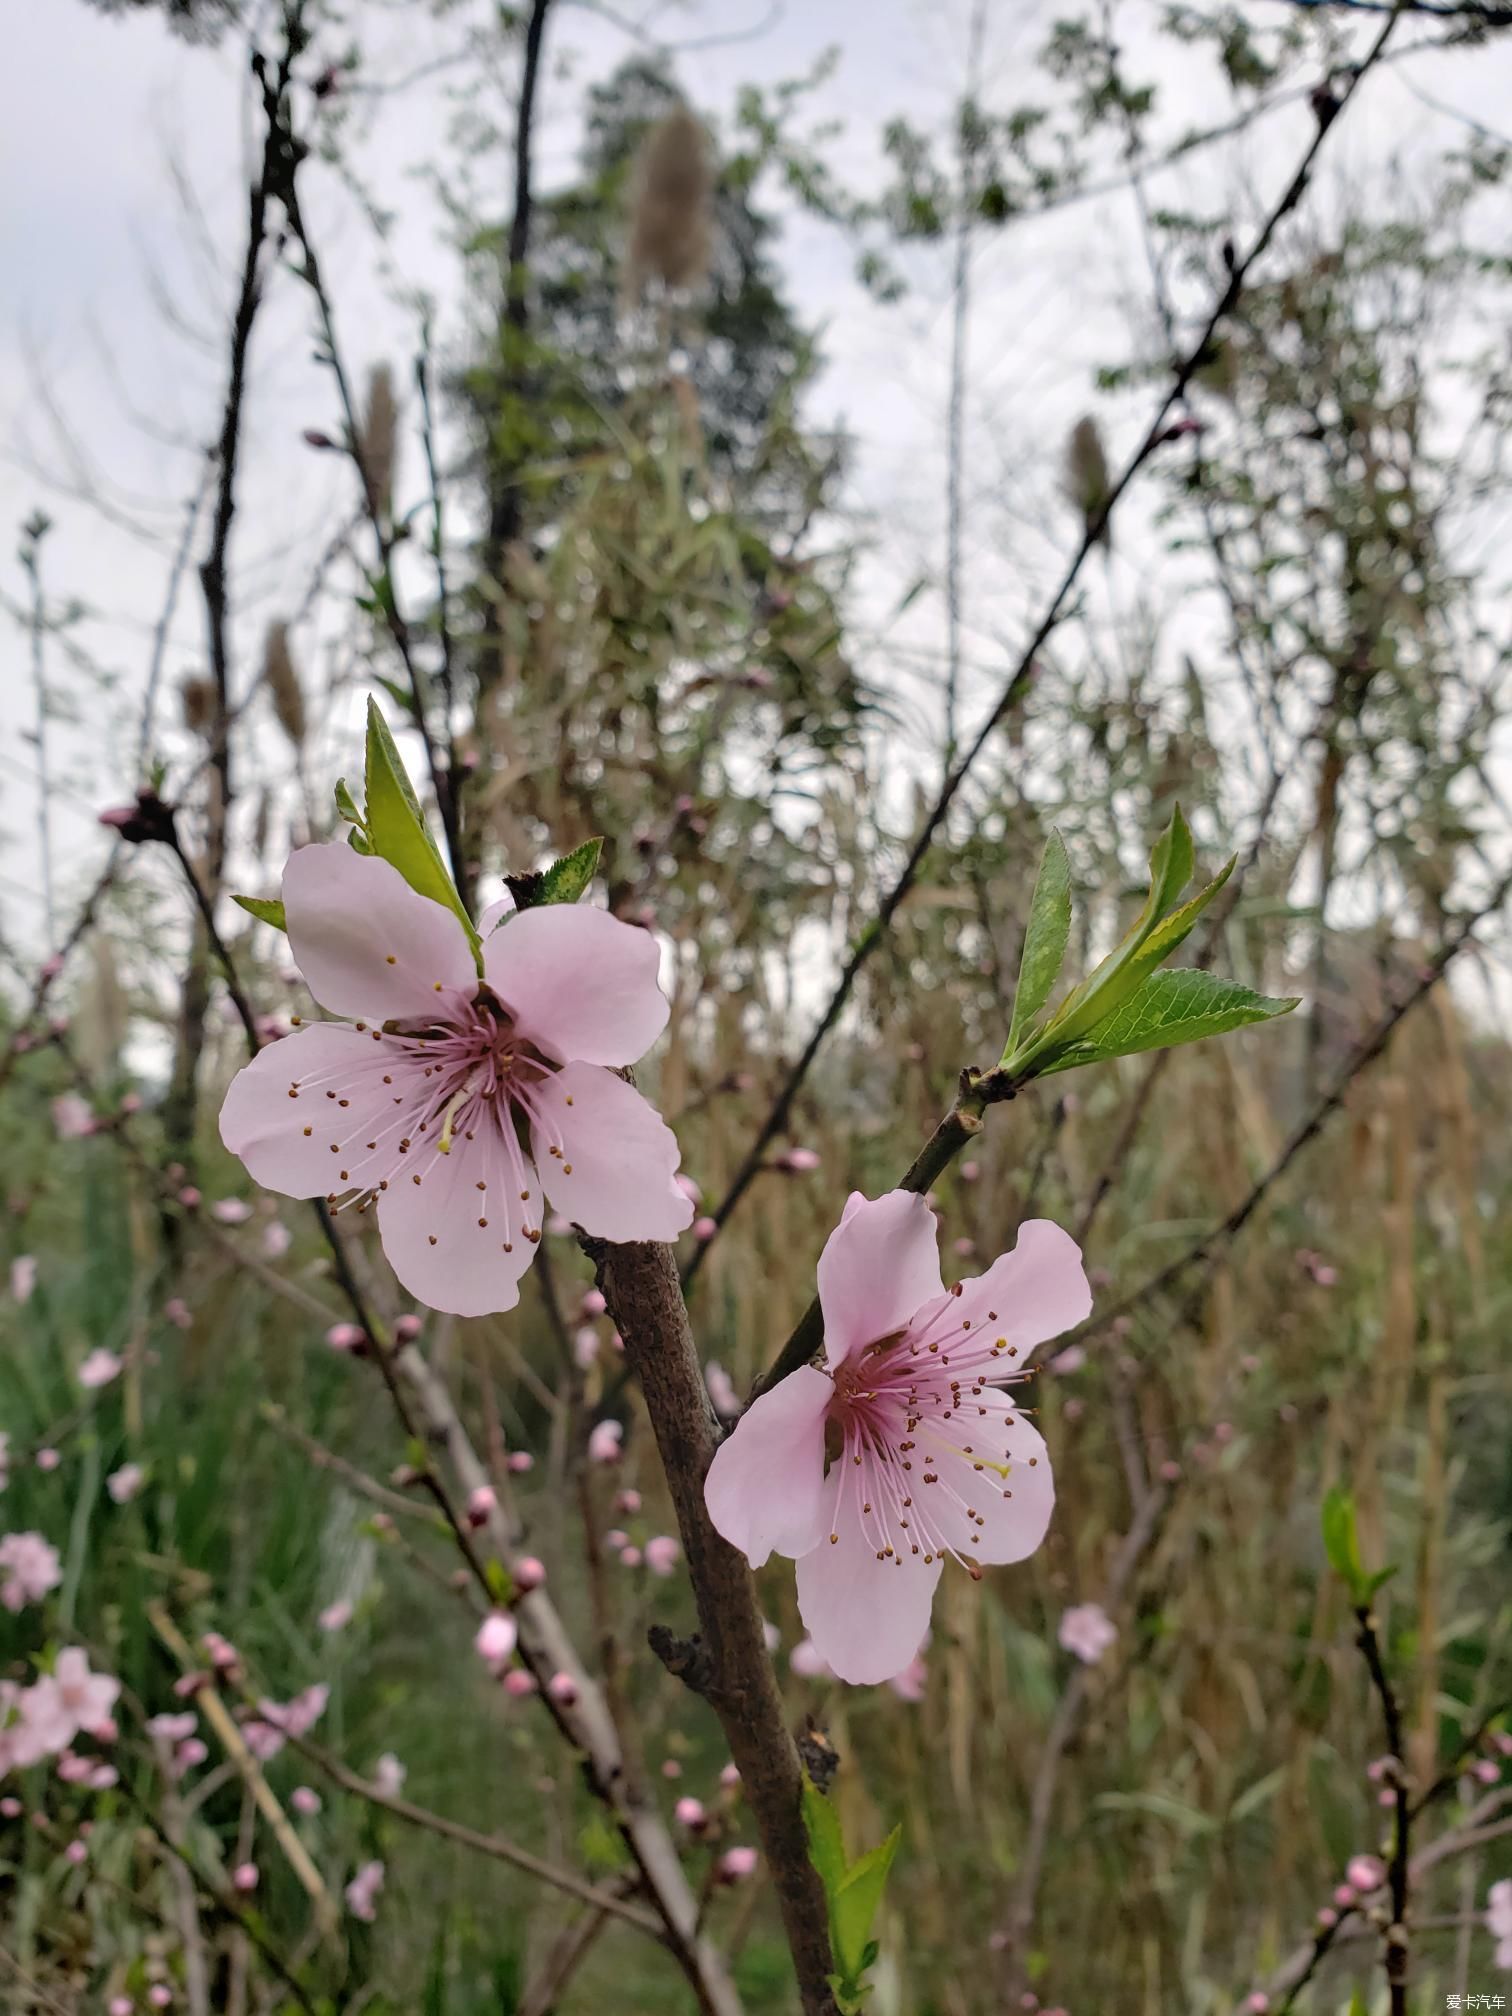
[519, 1461]
[594, 1303]
[529, 1573]
[346, 1336]
[519, 1683]
[496, 1638]
[244, 1878]
[1343, 1896]
[1327, 1918]
[630, 1557]
[48, 1459]
[662, 1554]
[1258, 2003]
[481, 1505]
[797, 1161]
[963, 1248]
[970, 1171]
[627, 1502]
[671, 1768]
[10, 1809]
[736, 1864]
[304, 1799]
[407, 1329]
[176, 1310]
[604, 1442]
[189, 1197]
[120, 2005]
[730, 1777]
[690, 1813]
[688, 1187]
[76, 1853]
[1365, 1873]
[160, 1995]
[1487, 1770]
[118, 816]
[704, 1229]
[563, 1689]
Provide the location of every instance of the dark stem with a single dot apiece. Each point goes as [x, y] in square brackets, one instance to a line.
[1396, 1936]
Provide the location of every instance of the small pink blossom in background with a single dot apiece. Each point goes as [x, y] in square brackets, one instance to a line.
[120, 2005]
[389, 1775]
[563, 1689]
[346, 1336]
[593, 1304]
[1365, 1873]
[1170, 1471]
[223, 1654]
[729, 1777]
[407, 1328]
[172, 1728]
[1073, 1410]
[299, 1716]
[1086, 1631]
[963, 1248]
[1223, 1433]
[808, 1662]
[627, 1501]
[910, 1683]
[1070, 1360]
[585, 1347]
[690, 1813]
[481, 1505]
[671, 1768]
[1327, 1918]
[518, 1683]
[688, 1187]
[276, 1240]
[30, 1566]
[519, 1461]
[73, 1770]
[76, 1853]
[190, 1197]
[231, 1211]
[48, 1459]
[1486, 1771]
[99, 1368]
[362, 1892]
[72, 1117]
[970, 1171]
[177, 1312]
[1258, 2003]
[903, 1355]
[604, 1442]
[244, 1877]
[102, 1777]
[736, 1864]
[69, 1699]
[1343, 1896]
[726, 1401]
[508, 1081]
[335, 1616]
[662, 1554]
[1317, 1267]
[11, 1809]
[796, 1161]
[630, 1557]
[124, 1484]
[23, 1276]
[529, 1573]
[704, 1229]
[190, 1755]
[1503, 1742]
[305, 1800]
[262, 1739]
[496, 1638]
[160, 1995]
[1499, 1920]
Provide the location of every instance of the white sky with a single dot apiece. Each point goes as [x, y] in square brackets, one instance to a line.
[99, 260]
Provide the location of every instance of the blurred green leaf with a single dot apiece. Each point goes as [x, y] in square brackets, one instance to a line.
[826, 1845]
[1045, 938]
[1341, 1541]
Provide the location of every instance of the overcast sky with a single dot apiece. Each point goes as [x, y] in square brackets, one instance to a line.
[112, 318]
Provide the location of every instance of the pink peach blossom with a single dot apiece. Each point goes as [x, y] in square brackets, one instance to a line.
[30, 1566]
[305, 1800]
[518, 1683]
[563, 1689]
[48, 1459]
[124, 1484]
[1086, 1630]
[231, 1211]
[389, 1776]
[69, 1699]
[933, 1460]
[72, 1117]
[736, 1864]
[457, 1100]
[529, 1573]
[99, 1368]
[662, 1554]
[481, 1505]
[335, 1617]
[362, 1892]
[495, 1640]
[1365, 1873]
[244, 1877]
[604, 1442]
[690, 1813]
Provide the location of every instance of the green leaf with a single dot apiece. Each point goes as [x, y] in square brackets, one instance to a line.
[266, 909]
[853, 1907]
[826, 1844]
[346, 804]
[1259, 1794]
[1341, 1542]
[397, 830]
[1188, 1820]
[1044, 940]
[1170, 1008]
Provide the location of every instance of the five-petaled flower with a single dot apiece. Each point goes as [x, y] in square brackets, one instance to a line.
[903, 1450]
[458, 1100]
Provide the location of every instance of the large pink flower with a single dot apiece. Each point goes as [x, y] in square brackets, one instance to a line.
[903, 1450]
[457, 1101]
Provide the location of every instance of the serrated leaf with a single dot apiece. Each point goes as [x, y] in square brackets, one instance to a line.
[1044, 940]
[568, 879]
[266, 909]
[826, 1844]
[397, 830]
[853, 1907]
[1170, 1008]
[346, 805]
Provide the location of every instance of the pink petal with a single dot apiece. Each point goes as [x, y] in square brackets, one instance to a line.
[867, 1618]
[879, 1264]
[621, 1155]
[1015, 1508]
[579, 983]
[265, 1127]
[453, 1246]
[765, 1487]
[366, 943]
[1030, 1295]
